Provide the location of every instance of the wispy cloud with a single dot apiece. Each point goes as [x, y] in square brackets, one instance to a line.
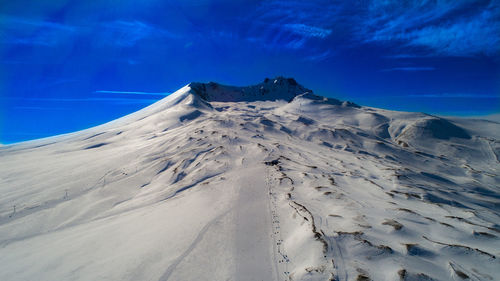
[406, 56]
[463, 38]
[129, 33]
[286, 36]
[428, 28]
[445, 28]
[40, 108]
[133, 93]
[409, 68]
[455, 95]
[50, 83]
[38, 23]
[44, 32]
[22, 31]
[294, 25]
[307, 30]
[319, 56]
[71, 100]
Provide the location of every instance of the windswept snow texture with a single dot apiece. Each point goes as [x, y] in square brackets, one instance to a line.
[267, 182]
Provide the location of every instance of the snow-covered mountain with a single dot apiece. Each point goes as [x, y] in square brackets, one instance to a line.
[266, 182]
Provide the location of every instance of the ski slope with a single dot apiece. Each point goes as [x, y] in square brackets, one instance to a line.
[265, 182]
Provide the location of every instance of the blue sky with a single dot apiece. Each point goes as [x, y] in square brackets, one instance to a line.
[69, 65]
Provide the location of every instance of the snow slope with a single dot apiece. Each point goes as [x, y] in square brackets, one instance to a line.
[266, 182]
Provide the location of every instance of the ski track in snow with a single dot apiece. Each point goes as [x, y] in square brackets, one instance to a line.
[253, 248]
[338, 259]
[198, 238]
[238, 188]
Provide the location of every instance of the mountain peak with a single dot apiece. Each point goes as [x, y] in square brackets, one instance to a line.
[279, 88]
[280, 80]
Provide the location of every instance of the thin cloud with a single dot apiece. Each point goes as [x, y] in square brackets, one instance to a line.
[297, 43]
[406, 56]
[463, 38]
[430, 28]
[436, 26]
[129, 33]
[120, 33]
[22, 31]
[40, 108]
[112, 100]
[455, 95]
[293, 36]
[132, 93]
[409, 68]
[436, 96]
[320, 56]
[307, 30]
[294, 25]
[18, 21]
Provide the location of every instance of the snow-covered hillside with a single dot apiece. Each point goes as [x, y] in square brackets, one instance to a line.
[266, 182]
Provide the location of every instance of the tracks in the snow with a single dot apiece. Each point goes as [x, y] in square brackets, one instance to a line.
[281, 259]
[338, 259]
[166, 275]
[284, 264]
